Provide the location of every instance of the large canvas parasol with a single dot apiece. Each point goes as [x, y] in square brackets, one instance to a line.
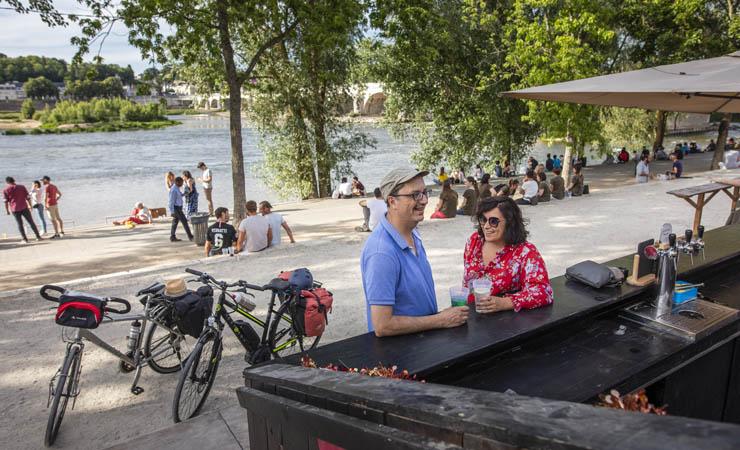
[701, 86]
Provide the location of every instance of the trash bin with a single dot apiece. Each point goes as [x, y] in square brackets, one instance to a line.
[199, 221]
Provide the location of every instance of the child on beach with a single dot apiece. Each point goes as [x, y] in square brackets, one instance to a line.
[139, 216]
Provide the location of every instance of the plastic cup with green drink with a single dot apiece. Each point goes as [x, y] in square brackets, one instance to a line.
[481, 290]
[459, 295]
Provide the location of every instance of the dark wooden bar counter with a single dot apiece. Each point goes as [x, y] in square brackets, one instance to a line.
[428, 352]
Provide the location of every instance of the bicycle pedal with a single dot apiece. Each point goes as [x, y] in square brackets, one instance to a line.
[136, 390]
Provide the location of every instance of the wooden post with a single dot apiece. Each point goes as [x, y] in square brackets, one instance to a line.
[697, 216]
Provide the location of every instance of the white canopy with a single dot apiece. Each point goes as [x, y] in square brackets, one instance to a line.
[701, 86]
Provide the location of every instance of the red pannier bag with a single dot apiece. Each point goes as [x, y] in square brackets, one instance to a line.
[80, 311]
[310, 309]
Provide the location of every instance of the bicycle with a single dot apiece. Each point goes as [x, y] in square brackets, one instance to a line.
[163, 348]
[279, 338]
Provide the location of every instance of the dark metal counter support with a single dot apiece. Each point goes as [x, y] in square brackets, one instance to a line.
[294, 406]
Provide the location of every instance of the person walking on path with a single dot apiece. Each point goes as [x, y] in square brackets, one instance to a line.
[207, 179]
[37, 203]
[17, 197]
[396, 275]
[255, 234]
[53, 195]
[276, 221]
[176, 211]
[191, 193]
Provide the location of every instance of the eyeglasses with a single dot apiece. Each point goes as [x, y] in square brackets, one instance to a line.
[492, 221]
[417, 196]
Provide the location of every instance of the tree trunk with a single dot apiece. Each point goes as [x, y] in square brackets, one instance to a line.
[661, 117]
[324, 161]
[235, 112]
[719, 150]
[568, 158]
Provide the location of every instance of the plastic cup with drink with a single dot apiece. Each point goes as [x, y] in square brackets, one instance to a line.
[481, 290]
[459, 295]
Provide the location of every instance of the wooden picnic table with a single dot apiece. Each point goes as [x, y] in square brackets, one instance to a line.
[701, 191]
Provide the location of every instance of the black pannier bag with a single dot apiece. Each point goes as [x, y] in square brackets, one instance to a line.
[80, 311]
[191, 311]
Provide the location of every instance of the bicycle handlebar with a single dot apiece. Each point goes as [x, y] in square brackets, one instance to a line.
[50, 287]
[250, 286]
[125, 303]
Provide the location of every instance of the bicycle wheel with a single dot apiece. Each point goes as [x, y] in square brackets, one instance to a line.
[168, 350]
[197, 377]
[282, 337]
[64, 389]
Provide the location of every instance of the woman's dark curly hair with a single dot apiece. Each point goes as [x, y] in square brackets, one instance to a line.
[515, 232]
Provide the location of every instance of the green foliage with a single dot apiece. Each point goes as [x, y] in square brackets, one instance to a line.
[143, 89]
[100, 110]
[627, 127]
[9, 116]
[14, 132]
[306, 84]
[88, 89]
[27, 109]
[40, 87]
[44, 8]
[57, 70]
[436, 70]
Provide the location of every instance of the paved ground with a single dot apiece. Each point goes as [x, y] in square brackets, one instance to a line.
[103, 250]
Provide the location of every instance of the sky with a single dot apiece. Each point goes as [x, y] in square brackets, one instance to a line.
[26, 34]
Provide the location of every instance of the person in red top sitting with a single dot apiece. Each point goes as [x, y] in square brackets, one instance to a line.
[499, 251]
[623, 156]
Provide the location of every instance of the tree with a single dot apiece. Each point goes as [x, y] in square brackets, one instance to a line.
[220, 40]
[40, 87]
[553, 41]
[436, 70]
[627, 127]
[27, 109]
[143, 89]
[303, 85]
[88, 89]
[44, 8]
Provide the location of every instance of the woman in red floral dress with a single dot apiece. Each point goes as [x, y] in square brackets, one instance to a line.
[499, 251]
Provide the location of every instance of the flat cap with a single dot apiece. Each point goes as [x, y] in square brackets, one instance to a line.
[396, 177]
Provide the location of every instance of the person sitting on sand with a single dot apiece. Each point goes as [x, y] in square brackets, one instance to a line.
[441, 177]
[576, 183]
[277, 222]
[624, 156]
[470, 198]
[731, 159]
[498, 251]
[508, 190]
[543, 194]
[557, 184]
[220, 236]
[508, 169]
[139, 216]
[344, 190]
[447, 206]
[660, 154]
[529, 190]
[396, 275]
[255, 234]
[358, 188]
[478, 172]
[372, 211]
[484, 190]
[711, 146]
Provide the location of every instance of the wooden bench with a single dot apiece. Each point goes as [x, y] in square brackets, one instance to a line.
[701, 191]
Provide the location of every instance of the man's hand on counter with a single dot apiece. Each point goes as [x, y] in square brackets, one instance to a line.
[453, 316]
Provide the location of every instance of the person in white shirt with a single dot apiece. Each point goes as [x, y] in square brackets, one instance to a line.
[37, 203]
[372, 210]
[255, 234]
[731, 159]
[344, 190]
[643, 174]
[207, 180]
[529, 190]
[276, 221]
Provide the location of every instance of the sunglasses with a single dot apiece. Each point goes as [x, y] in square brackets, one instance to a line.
[415, 195]
[492, 221]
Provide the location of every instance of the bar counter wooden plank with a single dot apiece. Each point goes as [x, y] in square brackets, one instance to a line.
[428, 352]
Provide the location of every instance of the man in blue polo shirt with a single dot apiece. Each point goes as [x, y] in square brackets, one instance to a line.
[396, 275]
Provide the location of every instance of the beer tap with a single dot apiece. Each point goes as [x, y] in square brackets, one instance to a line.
[685, 246]
[699, 241]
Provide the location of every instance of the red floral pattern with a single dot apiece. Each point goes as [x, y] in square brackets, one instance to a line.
[515, 268]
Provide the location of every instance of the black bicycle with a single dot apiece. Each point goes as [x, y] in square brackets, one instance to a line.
[280, 337]
[153, 339]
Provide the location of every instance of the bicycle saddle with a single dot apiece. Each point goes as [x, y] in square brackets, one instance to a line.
[153, 289]
[276, 284]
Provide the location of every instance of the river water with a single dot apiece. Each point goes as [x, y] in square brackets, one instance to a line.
[104, 174]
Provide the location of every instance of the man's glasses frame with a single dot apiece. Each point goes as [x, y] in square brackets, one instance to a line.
[416, 196]
[492, 221]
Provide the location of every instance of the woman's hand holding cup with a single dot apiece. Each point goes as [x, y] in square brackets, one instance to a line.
[492, 304]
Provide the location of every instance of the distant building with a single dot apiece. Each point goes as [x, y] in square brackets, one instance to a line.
[12, 90]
